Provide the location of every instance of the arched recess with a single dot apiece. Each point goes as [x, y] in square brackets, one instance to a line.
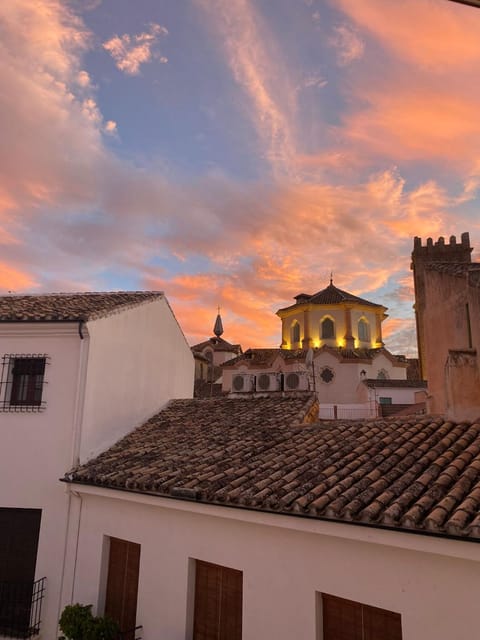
[295, 332]
[363, 330]
[327, 328]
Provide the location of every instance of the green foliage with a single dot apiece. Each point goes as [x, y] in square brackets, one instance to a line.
[78, 623]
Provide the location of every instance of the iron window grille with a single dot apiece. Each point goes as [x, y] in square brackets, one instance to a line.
[22, 382]
[21, 608]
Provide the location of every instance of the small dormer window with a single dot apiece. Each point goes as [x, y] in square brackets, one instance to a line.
[363, 330]
[22, 382]
[327, 329]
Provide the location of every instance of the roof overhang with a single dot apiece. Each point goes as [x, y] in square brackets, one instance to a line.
[470, 3]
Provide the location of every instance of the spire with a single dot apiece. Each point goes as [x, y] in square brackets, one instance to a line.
[331, 277]
[218, 328]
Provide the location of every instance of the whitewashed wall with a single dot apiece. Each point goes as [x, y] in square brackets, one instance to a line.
[286, 563]
[97, 389]
[139, 359]
[36, 448]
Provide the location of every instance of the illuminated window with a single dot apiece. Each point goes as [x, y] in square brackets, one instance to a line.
[328, 328]
[363, 330]
[295, 332]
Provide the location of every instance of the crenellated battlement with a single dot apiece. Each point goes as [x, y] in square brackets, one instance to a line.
[440, 251]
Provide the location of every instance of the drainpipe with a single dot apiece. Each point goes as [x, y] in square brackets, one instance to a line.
[71, 527]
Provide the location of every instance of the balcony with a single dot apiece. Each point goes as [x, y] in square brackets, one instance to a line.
[131, 634]
[21, 608]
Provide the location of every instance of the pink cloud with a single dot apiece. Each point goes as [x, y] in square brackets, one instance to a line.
[130, 52]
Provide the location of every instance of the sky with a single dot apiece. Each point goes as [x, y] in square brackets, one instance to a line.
[235, 153]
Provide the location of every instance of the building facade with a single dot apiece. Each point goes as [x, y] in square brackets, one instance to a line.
[246, 520]
[331, 342]
[447, 309]
[78, 372]
[332, 318]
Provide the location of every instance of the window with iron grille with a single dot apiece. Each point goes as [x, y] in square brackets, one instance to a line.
[22, 382]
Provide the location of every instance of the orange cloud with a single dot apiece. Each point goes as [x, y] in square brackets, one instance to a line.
[14, 280]
[435, 34]
[414, 122]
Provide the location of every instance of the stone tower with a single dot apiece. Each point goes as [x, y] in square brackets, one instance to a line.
[439, 252]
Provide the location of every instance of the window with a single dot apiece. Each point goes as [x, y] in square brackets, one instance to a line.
[22, 382]
[363, 330]
[218, 602]
[327, 375]
[382, 400]
[328, 329]
[351, 620]
[295, 332]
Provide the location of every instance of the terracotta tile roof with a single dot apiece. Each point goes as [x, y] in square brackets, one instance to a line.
[258, 358]
[265, 357]
[391, 384]
[217, 344]
[329, 296]
[409, 474]
[68, 307]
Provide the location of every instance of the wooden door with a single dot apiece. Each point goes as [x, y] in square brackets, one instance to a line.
[218, 602]
[122, 584]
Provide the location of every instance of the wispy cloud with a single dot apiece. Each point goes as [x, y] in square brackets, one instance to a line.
[259, 72]
[348, 44]
[130, 52]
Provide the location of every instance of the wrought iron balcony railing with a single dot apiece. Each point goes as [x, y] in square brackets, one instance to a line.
[131, 634]
[21, 608]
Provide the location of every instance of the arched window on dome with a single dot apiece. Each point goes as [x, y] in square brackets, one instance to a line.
[295, 332]
[327, 329]
[363, 330]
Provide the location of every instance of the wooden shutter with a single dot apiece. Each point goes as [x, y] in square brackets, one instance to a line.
[380, 624]
[342, 619]
[122, 584]
[348, 620]
[218, 602]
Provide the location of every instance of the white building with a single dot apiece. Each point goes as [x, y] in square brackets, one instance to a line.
[78, 372]
[344, 336]
[338, 377]
[238, 519]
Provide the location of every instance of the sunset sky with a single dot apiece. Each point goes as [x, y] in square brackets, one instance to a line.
[236, 152]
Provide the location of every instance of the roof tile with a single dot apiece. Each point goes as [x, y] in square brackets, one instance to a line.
[70, 307]
[415, 476]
